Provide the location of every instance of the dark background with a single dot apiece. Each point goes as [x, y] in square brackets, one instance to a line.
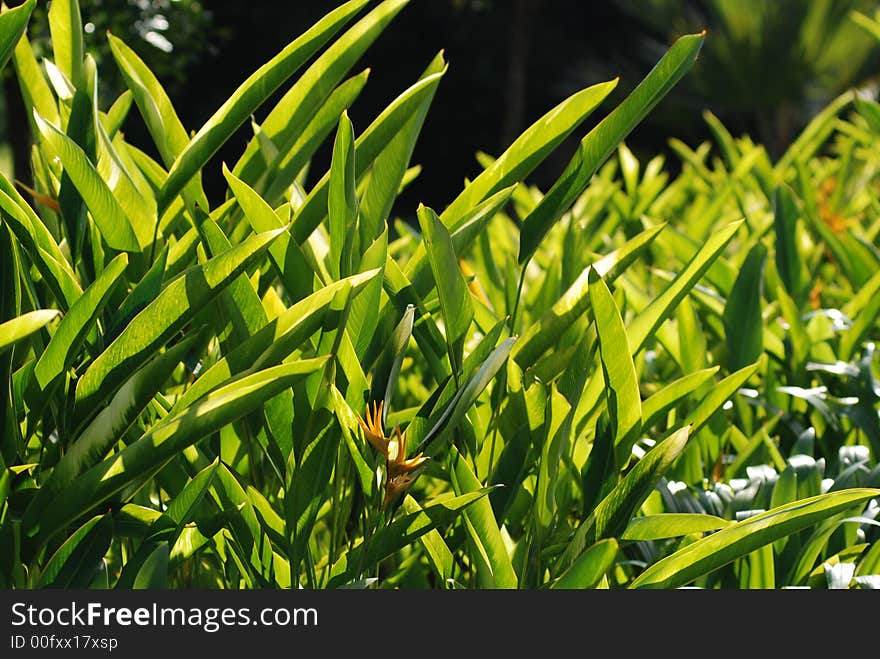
[767, 66]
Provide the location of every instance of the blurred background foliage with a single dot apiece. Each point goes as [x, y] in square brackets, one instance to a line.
[767, 67]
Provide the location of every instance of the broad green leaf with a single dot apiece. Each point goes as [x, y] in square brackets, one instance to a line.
[155, 107]
[181, 509]
[365, 308]
[743, 325]
[528, 150]
[109, 216]
[153, 574]
[719, 395]
[239, 302]
[286, 255]
[76, 324]
[455, 299]
[342, 202]
[20, 328]
[589, 568]
[248, 97]
[166, 439]
[618, 370]
[671, 525]
[482, 529]
[647, 322]
[118, 113]
[66, 28]
[13, 23]
[557, 421]
[75, 563]
[613, 513]
[35, 91]
[600, 142]
[390, 169]
[175, 306]
[39, 245]
[387, 368]
[739, 539]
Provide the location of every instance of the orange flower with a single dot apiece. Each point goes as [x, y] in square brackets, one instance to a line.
[400, 473]
[372, 428]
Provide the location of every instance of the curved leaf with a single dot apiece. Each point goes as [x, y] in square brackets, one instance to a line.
[739, 539]
[20, 328]
[13, 23]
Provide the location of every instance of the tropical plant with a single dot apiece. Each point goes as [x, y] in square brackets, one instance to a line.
[308, 386]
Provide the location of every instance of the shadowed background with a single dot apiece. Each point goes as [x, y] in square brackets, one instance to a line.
[766, 68]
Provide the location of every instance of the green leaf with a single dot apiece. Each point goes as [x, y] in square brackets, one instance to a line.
[389, 170]
[576, 300]
[494, 567]
[432, 542]
[619, 372]
[646, 323]
[342, 202]
[110, 425]
[75, 563]
[402, 532]
[75, 326]
[13, 23]
[20, 328]
[589, 568]
[65, 26]
[175, 306]
[815, 134]
[658, 404]
[369, 145]
[743, 326]
[387, 368]
[671, 525]
[287, 165]
[113, 223]
[466, 397]
[719, 395]
[248, 97]
[285, 123]
[163, 124]
[455, 299]
[277, 340]
[35, 90]
[789, 261]
[613, 513]
[166, 439]
[739, 539]
[153, 573]
[600, 142]
[528, 150]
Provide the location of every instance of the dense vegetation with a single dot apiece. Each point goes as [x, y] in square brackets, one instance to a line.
[636, 378]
